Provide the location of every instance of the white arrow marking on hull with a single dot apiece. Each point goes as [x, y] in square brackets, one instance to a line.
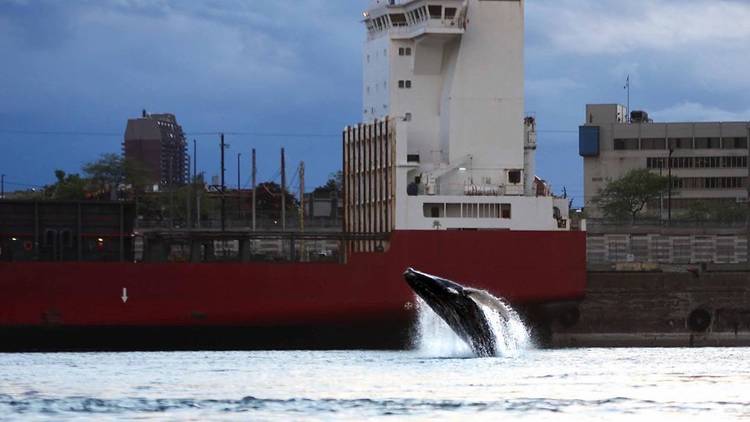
[124, 295]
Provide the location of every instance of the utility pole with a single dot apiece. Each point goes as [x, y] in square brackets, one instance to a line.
[302, 209]
[255, 173]
[195, 159]
[188, 200]
[171, 194]
[198, 205]
[747, 185]
[223, 186]
[669, 195]
[194, 187]
[239, 186]
[283, 191]
[302, 196]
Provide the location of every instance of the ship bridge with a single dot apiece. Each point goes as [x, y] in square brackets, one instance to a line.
[445, 142]
[414, 18]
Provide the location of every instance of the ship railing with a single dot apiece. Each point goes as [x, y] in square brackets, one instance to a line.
[243, 246]
[442, 26]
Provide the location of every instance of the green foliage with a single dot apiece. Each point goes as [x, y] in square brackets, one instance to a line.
[106, 173]
[627, 197]
[269, 200]
[729, 213]
[335, 183]
[69, 187]
[111, 171]
[716, 211]
[699, 211]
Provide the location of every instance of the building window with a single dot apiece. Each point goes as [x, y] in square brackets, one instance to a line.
[408, 84]
[709, 183]
[626, 144]
[653, 143]
[408, 51]
[707, 143]
[450, 12]
[404, 84]
[734, 143]
[655, 163]
[681, 143]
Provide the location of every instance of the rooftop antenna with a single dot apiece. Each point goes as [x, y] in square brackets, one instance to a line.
[627, 87]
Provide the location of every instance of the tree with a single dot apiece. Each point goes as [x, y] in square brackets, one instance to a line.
[69, 187]
[335, 184]
[628, 196]
[111, 171]
[106, 173]
[269, 200]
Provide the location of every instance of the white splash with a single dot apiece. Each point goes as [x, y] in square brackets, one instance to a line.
[434, 338]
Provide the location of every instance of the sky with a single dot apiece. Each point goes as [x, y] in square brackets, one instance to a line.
[273, 73]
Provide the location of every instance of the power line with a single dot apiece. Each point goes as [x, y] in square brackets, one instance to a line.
[57, 133]
[207, 133]
[25, 185]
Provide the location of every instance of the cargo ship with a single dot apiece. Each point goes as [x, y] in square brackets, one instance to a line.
[440, 175]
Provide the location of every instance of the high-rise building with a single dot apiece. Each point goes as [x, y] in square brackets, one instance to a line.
[158, 143]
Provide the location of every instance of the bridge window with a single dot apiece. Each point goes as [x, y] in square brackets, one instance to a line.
[505, 211]
[398, 19]
[404, 84]
[514, 177]
[404, 51]
[436, 12]
[492, 211]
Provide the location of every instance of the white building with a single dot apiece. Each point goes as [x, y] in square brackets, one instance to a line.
[450, 74]
[709, 160]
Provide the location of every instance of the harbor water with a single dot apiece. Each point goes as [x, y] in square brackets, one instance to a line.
[576, 384]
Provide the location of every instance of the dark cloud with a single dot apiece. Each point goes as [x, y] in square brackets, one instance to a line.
[36, 25]
[294, 66]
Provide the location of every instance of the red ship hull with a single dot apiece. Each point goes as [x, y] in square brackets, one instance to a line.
[363, 303]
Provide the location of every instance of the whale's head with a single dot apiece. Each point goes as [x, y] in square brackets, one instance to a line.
[433, 290]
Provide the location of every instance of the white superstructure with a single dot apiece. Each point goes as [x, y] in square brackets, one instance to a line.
[450, 74]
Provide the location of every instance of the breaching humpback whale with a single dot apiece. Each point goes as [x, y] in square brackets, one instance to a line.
[459, 307]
